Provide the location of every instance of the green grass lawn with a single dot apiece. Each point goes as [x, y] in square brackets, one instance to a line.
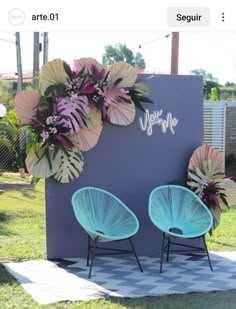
[224, 237]
[22, 224]
[22, 237]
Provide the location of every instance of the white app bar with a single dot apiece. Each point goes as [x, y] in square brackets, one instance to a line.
[121, 15]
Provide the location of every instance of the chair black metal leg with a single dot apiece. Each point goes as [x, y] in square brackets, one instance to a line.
[208, 256]
[162, 251]
[88, 252]
[92, 258]
[134, 252]
[168, 250]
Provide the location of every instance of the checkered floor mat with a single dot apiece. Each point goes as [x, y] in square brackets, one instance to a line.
[67, 279]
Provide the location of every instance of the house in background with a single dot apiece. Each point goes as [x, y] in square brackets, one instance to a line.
[12, 76]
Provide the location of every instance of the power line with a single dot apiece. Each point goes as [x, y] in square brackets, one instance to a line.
[156, 39]
[1, 39]
[134, 46]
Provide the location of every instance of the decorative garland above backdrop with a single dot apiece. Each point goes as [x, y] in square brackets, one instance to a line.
[67, 117]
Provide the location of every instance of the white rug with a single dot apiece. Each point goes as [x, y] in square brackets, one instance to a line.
[66, 279]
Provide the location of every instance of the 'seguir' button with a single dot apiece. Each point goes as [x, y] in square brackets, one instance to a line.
[188, 17]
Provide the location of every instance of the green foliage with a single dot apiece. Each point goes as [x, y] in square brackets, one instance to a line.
[206, 75]
[6, 147]
[8, 143]
[59, 89]
[222, 93]
[34, 180]
[208, 85]
[12, 118]
[214, 94]
[120, 52]
[7, 154]
[228, 92]
[138, 97]
[139, 61]
[209, 82]
[8, 131]
[6, 93]
[32, 141]
[11, 151]
[27, 86]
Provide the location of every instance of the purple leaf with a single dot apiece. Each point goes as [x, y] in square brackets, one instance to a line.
[63, 140]
[214, 198]
[73, 112]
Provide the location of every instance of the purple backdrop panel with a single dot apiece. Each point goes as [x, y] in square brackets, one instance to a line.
[131, 161]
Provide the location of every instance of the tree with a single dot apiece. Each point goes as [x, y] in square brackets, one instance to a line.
[228, 84]
[206, 75]
[6, 93]
[228, 91]
[120, 52]
[209, 82]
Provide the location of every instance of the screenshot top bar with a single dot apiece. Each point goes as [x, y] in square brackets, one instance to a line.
[119, 16]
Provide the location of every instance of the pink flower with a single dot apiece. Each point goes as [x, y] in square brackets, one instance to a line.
[45, 135]
[54, 130]
[51, 147]
[49, 120]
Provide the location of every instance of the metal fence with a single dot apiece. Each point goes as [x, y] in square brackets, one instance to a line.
[12, 148]
[214, 118]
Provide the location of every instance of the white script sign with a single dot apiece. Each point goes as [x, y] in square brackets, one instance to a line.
[154, 118]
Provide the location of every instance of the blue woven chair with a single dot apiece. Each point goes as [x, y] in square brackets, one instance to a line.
[179, 213]
[105, 218]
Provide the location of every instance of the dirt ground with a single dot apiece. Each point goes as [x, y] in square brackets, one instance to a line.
[16, 183]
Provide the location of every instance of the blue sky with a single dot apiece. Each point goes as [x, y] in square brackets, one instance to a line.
[213, 51]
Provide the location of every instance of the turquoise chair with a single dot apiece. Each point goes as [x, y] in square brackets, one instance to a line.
[179, 213]
[105, 218]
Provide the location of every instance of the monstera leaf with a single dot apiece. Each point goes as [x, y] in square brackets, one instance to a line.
[123, 72]
[71, 165]
[25, 103]
[203, 153]
[73, 113]
[42, 162]
[53, 73]
[122, 114]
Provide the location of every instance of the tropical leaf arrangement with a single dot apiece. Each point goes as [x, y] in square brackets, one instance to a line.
[206, 177]
[66, 118]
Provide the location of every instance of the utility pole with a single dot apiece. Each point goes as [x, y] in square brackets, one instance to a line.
[36, 60]
[19, 63]
[174, 53]
[19, 88]
[45, 47]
